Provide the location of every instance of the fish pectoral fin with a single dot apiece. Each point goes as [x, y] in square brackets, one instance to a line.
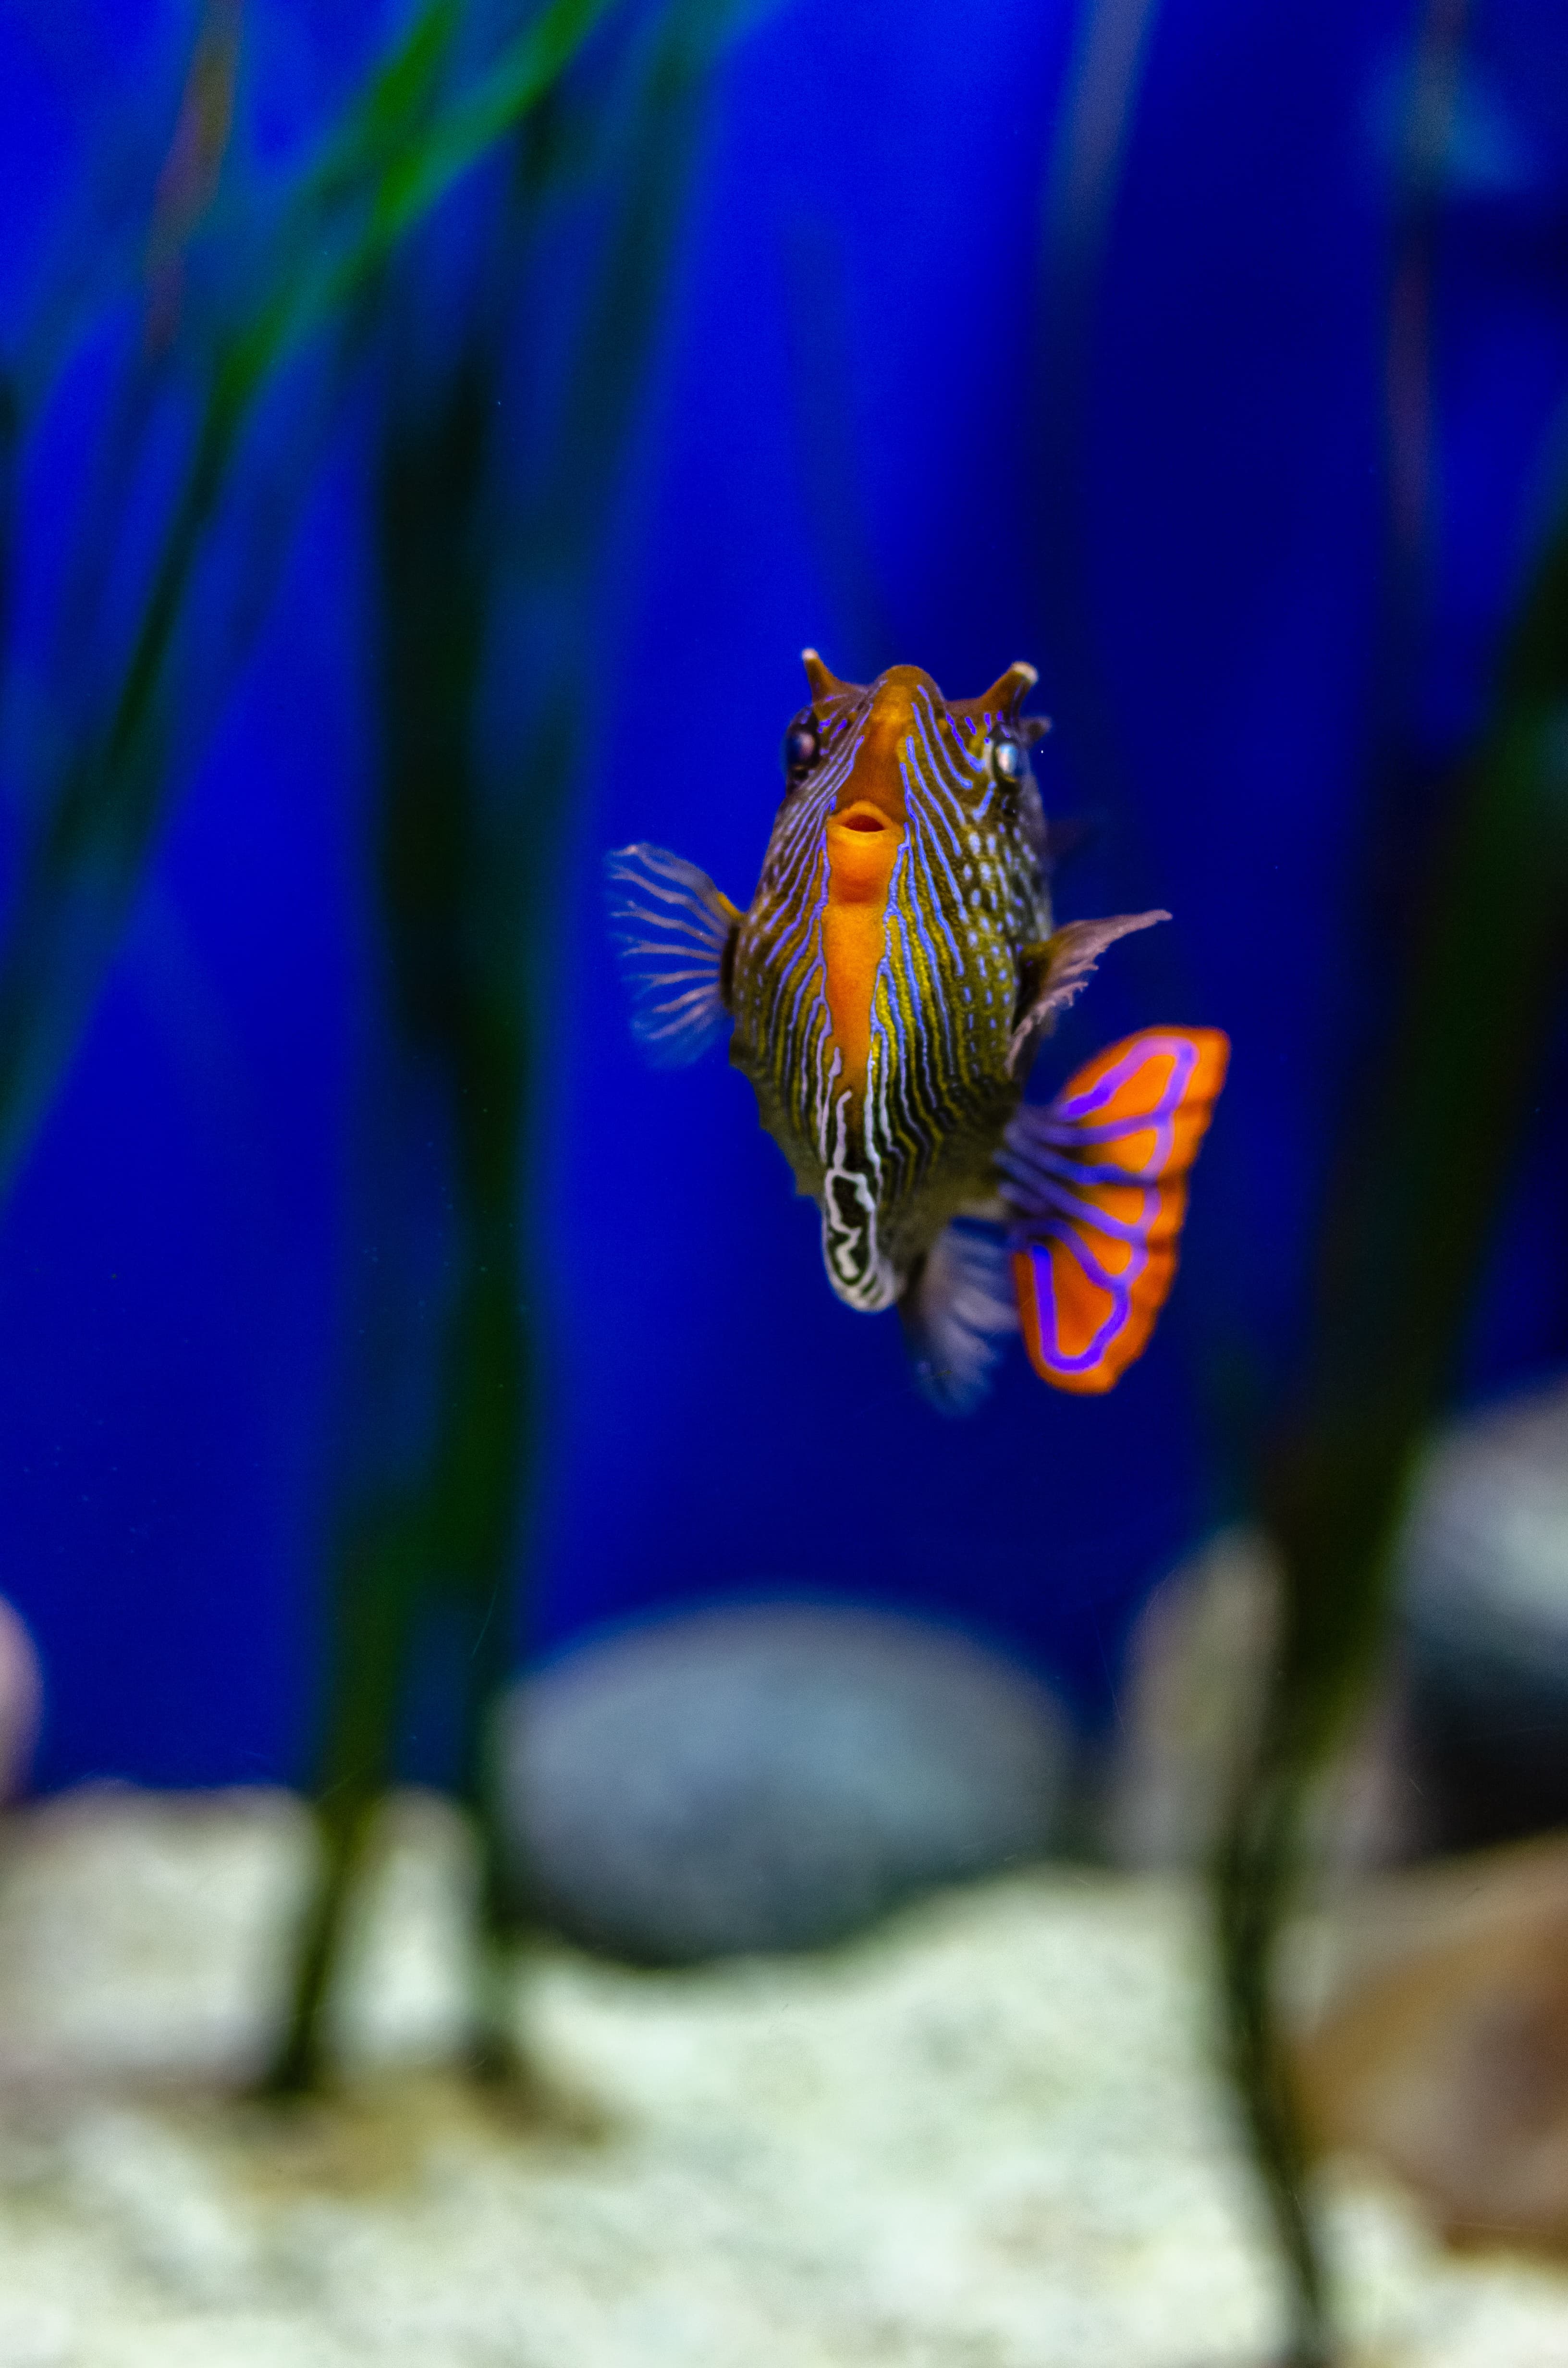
[1096, 1186]
[675, 934]
[1052, 973]
[958, 1313]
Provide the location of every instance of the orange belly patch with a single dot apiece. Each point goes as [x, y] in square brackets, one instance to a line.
[862, 847]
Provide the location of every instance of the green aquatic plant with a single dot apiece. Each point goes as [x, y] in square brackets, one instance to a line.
[1416, 1184]
[1413, 1196]
[487, 559]
[1411, 1214]
[247, 312]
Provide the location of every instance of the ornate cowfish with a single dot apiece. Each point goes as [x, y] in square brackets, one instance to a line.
[886, 991]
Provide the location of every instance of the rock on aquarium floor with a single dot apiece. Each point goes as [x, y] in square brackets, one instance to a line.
[982, 2139]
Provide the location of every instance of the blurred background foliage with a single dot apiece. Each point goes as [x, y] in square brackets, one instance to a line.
[428, 436]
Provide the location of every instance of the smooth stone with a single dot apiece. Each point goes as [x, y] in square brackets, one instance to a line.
[1438, 2048]
[1464, 1740]
[1192, 1690]
[1484, 1614]
[1185, 1700]
[771, 1776]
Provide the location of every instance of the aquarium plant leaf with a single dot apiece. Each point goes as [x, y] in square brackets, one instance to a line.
[1422, 1165]
[487, 564]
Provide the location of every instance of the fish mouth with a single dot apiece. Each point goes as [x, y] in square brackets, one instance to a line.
[865, 817]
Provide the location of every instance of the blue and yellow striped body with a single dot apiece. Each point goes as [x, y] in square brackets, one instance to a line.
[876, 976]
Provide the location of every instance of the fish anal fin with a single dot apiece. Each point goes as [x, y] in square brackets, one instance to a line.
[1058, 968]
[957, 1313]
[675, 934]
[1096, 1186]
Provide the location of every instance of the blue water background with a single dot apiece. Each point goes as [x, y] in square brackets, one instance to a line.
[852, 437]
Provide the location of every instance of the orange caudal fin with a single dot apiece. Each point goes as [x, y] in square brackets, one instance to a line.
[1096, 1186]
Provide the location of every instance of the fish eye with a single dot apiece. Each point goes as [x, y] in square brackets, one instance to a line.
[1008, 764]
[803, 747]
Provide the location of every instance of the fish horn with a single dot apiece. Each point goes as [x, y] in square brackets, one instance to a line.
[1007, 689]
[822, 680]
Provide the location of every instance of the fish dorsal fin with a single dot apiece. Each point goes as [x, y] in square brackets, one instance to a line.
[675, 934]
[1052, 973]
[957, 1313]
[1096, 1185]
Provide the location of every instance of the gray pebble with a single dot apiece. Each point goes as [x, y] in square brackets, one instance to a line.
[770, 1776]
[1192, 1691]
[1485, 1622]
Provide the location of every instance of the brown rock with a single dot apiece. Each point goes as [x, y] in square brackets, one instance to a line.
[1439, 2047]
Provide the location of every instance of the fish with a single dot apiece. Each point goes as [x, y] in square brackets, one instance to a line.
[886, 992]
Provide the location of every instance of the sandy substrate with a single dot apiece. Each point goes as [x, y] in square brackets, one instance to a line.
[985, 2139]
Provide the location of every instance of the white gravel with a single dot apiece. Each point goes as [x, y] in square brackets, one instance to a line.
[985, 2139]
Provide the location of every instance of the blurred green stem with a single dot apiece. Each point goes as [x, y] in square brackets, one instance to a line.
[376, 1605]
[1423, 1166]
[464, 866]
[447, 1533]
